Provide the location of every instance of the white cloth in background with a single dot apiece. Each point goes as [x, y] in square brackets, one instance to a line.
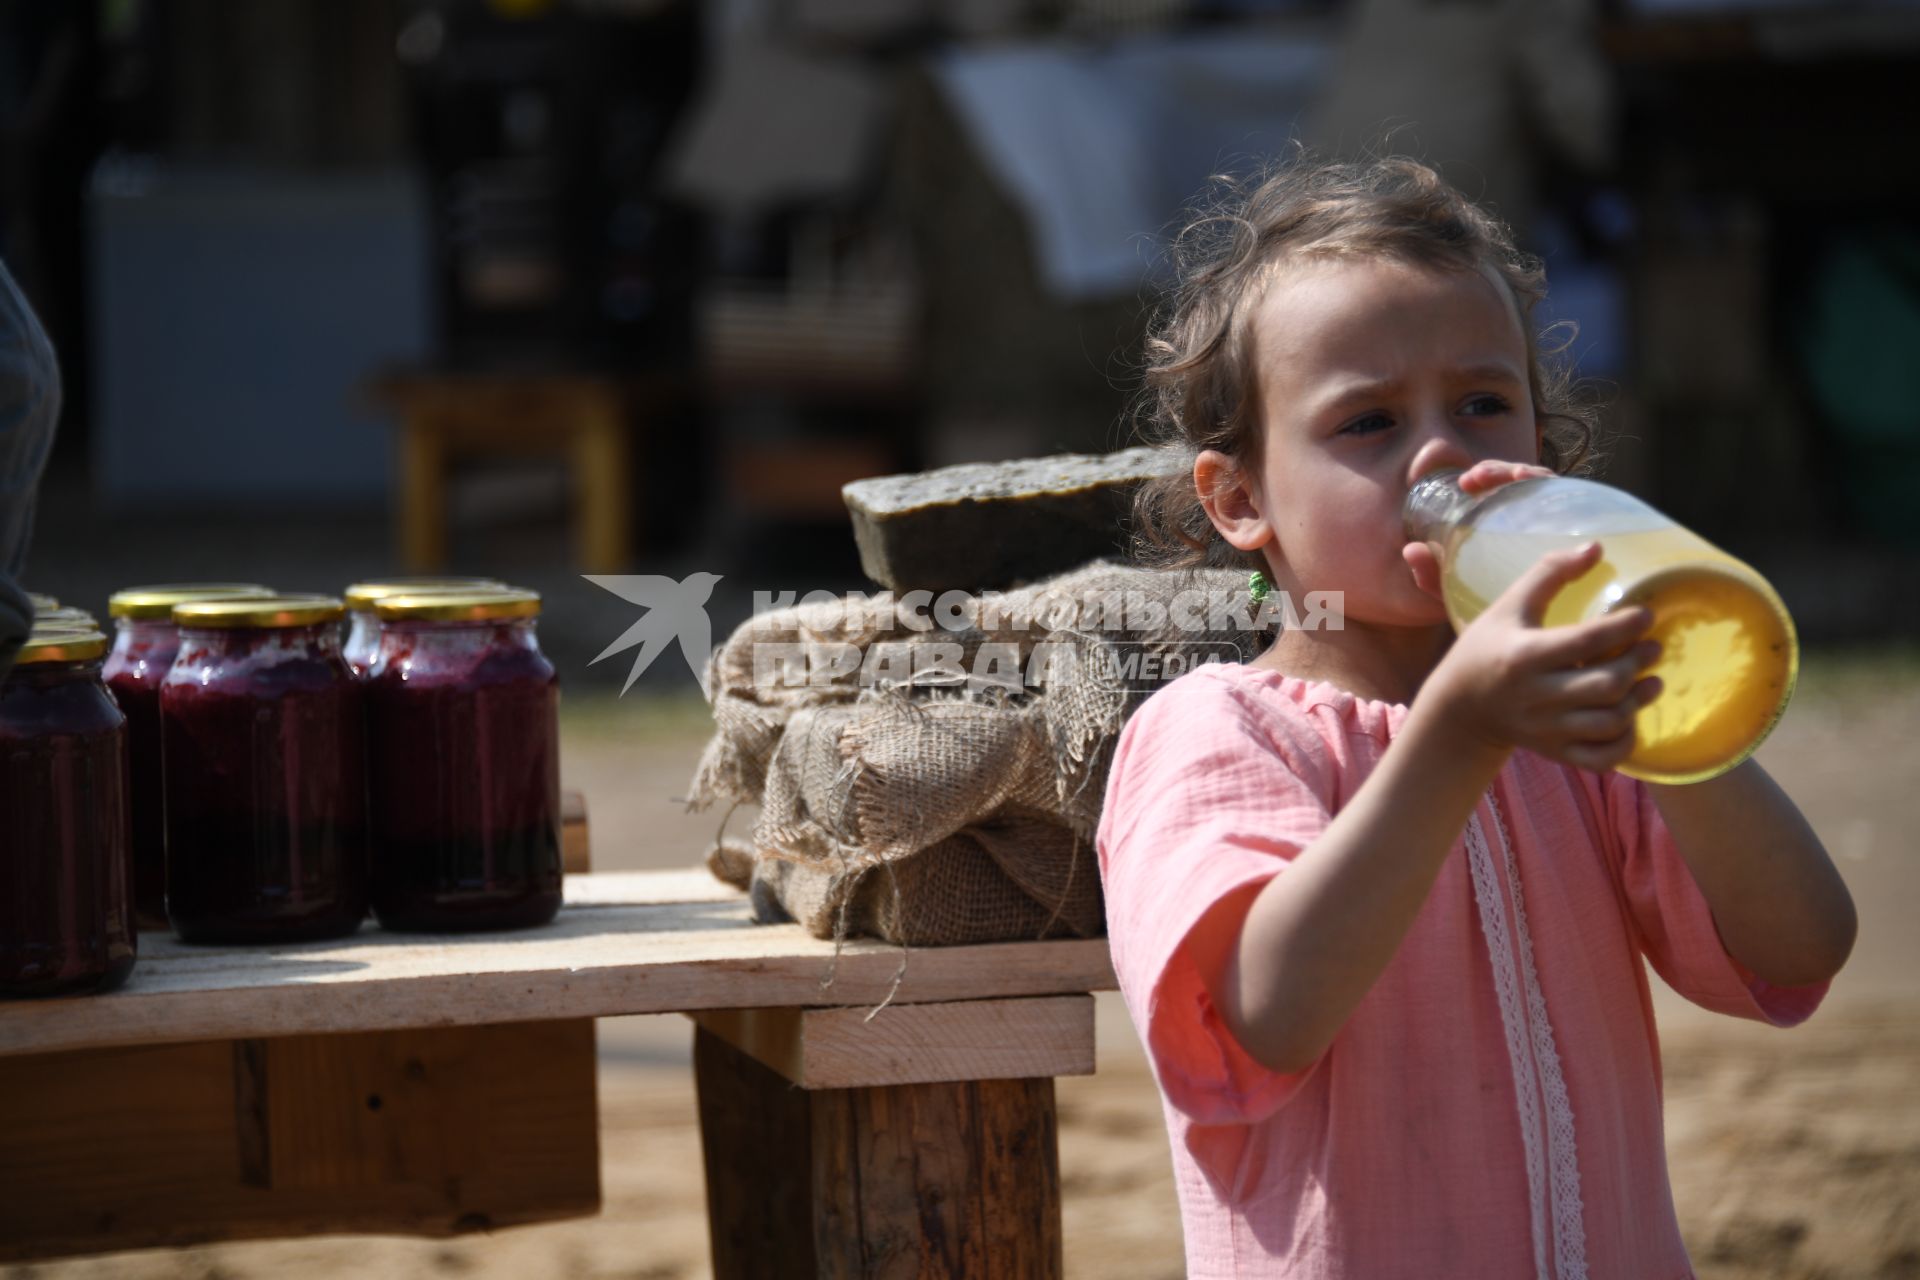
[1102, 147]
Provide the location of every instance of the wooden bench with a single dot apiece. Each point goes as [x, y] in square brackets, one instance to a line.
[432, 1086]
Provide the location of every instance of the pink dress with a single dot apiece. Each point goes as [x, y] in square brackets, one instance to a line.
[1492, 1107]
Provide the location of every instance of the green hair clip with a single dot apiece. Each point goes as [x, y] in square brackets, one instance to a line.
[1259, 586]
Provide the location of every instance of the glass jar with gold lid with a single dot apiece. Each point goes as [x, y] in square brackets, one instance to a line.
[463, 763]
[66, 905]
[363, 627]
[265, 775]
[144, 644]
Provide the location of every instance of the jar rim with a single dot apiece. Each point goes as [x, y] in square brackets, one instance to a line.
[362, 596]
[497, 604]
[155, 601]
[61, 646]
[258, 612]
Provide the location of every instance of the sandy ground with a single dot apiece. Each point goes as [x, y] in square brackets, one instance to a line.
[1792, 1154]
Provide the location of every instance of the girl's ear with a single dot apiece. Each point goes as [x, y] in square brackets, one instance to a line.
[1230, 501]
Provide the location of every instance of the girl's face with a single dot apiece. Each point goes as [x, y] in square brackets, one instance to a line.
[1372, 374]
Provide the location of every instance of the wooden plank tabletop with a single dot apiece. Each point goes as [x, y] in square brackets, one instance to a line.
[626, 942]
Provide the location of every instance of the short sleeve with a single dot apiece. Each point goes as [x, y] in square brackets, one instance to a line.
[1207, 800]
[1675, 924]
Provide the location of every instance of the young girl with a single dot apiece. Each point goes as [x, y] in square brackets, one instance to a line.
[1377, 902]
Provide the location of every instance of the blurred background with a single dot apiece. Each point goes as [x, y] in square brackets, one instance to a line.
[533, 289]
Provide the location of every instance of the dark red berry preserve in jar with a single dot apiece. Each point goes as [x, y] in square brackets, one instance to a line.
[463, 767]
[265, 773]
[66, 909]
[144, 643]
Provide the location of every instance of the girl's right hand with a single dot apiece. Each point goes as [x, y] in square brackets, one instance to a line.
[1568, 693]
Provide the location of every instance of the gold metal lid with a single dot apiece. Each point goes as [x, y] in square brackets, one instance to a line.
[258, 611]
[361, 596]
[62, 646]
[42, 602]
[496, 604]
[66, 613]
[155, 602]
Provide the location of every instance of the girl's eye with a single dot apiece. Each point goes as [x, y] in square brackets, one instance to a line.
[1369, 425]
[1485, 406]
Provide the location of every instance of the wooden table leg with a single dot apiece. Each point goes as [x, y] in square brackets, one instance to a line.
[601, 481]
[943, 1179]
[423, 480]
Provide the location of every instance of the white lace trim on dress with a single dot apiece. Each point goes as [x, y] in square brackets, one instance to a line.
[1506, 987]
[1553, 1171]
[1569, 1229]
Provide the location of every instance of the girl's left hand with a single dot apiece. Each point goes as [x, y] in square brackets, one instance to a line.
[1490, 474]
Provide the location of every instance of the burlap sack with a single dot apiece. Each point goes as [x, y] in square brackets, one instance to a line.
[1005, 878]
[940, 810]
[888, 777]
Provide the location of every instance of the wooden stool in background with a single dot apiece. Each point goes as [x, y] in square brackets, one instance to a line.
[581, 418]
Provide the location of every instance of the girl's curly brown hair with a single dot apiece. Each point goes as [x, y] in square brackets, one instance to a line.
[1199, 384]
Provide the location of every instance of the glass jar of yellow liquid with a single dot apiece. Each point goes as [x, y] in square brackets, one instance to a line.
[1728, 655]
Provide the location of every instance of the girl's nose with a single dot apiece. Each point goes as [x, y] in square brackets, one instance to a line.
[1439, 449]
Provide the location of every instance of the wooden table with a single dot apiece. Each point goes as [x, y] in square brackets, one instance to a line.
[430, 1086]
